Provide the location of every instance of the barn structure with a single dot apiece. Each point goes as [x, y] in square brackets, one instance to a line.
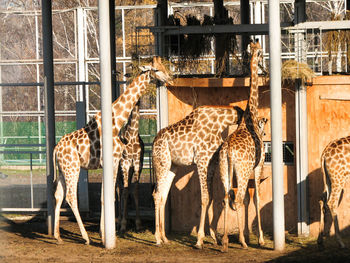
[314, 113]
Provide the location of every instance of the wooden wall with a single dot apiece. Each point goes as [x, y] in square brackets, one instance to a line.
[328, 118]
[185, 192]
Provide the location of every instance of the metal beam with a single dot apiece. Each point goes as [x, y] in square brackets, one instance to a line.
[106, 111]
[259, 29]
[49, 108]
[253, 29]
[276, 125]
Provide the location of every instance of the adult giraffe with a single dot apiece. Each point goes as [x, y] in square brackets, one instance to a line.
[192, 140]
[243, 154]
[83, 148]
[335, 166]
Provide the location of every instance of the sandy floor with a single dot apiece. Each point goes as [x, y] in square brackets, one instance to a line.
[27, 241]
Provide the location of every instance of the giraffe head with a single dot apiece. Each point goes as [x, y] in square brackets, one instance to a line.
[158, 72]
[261, 125]
[254, 49]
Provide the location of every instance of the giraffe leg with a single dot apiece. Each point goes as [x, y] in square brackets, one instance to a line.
[59, 195]
[225, 179]
[156, 198]
[333, 204]
[202, 172]
[322, 216]
[72, 200]
[136, 177]
[160, 196]
[136, 197]
[257, 194]
[242, 187]
[119, 193]
[163, 177]
[164, 196]
[125, 196]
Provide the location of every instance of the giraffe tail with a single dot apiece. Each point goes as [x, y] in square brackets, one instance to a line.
[54, 165]
[326, 179]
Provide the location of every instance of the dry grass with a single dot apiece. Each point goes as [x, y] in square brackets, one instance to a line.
[28, 242]
[293, 70]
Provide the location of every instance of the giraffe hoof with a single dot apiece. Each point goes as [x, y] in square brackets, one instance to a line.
[224, 248]
[244, 246]
[59, 241]
[87, 242]
[198, 246]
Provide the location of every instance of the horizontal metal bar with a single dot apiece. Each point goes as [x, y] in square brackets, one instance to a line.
[324, 25]
[64, 83]
[22, 152]
[22, 145]
[14, 209]
[259, 29]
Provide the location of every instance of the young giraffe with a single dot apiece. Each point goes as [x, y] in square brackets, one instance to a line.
[335, 166]
[193, 140]
[130, 167]
[243, 154]
[82, 148]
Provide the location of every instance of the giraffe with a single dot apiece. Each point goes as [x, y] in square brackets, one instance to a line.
[192, 140]
[243, 153]
[335, 166]
[130, 167]
[83, 148]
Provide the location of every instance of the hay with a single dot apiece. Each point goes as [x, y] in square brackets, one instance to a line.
[190, 47]
[293, 70]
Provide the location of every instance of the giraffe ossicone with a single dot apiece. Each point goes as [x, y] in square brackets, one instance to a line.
[83, 148]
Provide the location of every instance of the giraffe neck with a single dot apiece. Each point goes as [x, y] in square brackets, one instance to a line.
[122, 107]
[253, 102]
[132, 127]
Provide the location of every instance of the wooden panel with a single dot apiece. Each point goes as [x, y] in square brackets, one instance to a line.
[216, 82]
[327, 120]
[185, 190]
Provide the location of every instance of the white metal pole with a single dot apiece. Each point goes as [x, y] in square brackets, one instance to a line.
[276, 124]
[81, 52]
[106, 110]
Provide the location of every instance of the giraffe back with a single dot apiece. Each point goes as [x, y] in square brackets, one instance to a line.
[197, 134]
[336, 159]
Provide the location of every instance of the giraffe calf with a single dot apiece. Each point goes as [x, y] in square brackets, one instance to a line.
[130, 166]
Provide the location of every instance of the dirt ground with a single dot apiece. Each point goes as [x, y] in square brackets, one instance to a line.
[27, 241]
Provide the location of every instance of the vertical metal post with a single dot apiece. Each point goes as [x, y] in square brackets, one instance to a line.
[245, 19]
[106, 110]
[301, 126]
[81, 108]
[276, 124]
[31, 182]
[49, 107]
[115, 87]
[83, 188]
[302, 168]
